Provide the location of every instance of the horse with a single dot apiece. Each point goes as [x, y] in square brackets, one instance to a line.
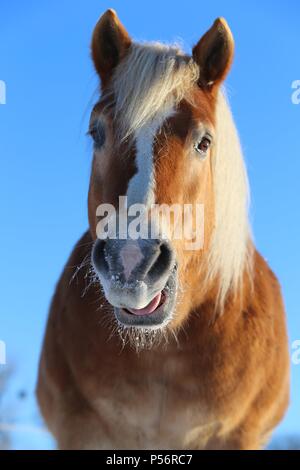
[152, 344]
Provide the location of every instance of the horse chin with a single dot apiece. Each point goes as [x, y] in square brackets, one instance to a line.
[160, 317]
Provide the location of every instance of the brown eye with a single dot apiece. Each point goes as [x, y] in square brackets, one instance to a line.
[97, 133]
[203, 146]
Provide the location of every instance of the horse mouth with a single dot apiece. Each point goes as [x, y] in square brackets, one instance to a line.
[156, 314]
[152, 306]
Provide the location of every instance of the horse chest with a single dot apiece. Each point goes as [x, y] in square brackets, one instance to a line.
[153, 412]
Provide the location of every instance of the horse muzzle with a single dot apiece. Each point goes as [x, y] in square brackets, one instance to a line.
[139, 279]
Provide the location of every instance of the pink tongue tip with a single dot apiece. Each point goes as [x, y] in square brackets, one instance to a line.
[149, 308]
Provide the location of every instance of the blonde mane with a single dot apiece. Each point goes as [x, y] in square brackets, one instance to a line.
[152, 76]
[231, 249]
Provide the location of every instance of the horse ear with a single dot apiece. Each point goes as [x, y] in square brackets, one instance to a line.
[214, 54]
[110, 42]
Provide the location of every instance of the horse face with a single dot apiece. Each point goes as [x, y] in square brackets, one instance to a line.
[138, 273]
[161, 159]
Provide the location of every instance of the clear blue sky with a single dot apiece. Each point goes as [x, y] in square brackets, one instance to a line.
[45, 155]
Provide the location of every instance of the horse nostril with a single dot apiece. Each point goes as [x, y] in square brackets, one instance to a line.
[98, 257]
[162, 263]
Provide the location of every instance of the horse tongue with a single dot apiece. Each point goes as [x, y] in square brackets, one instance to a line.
[149, 308]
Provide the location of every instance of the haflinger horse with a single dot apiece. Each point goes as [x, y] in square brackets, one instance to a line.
[150, 344]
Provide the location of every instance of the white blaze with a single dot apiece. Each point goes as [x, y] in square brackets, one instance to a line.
[142, 186]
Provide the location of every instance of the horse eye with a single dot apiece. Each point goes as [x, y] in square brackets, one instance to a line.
[203, 146]
[98, 135]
